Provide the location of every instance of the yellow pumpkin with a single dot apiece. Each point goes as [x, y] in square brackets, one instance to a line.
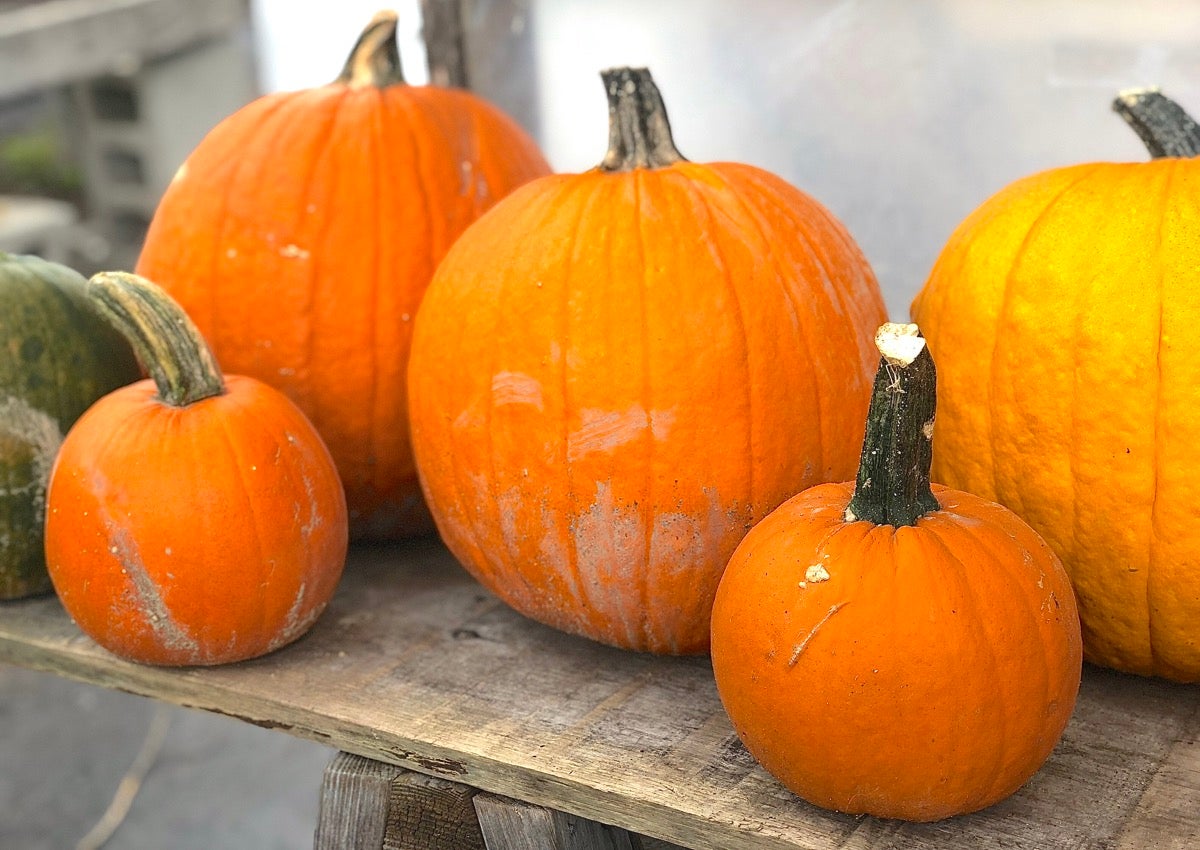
[1062, 314]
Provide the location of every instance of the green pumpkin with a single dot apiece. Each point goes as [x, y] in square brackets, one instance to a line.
[57, 356]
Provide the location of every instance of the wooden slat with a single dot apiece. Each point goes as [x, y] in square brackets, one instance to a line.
[1167, 817]
[415, 664]
[428, 813]
[514, 825]
[354, 804]
[445, 48]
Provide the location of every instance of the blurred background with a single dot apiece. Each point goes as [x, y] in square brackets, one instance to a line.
[899, 116]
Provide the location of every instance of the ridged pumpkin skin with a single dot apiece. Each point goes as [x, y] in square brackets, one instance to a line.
[56, 358]
[300, 236]
[935, 669]
[615, 374]
[1062, 314]
[195, 534]
[893, 648]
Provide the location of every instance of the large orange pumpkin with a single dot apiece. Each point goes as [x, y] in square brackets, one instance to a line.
[300, 236]
[616, 373]
[191, 518]
[888, 648]
[1062, 315]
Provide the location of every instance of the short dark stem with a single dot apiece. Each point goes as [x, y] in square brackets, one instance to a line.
[1163, 125]
[375, 59]
[164, 339]
[639, 134]
[893, 474]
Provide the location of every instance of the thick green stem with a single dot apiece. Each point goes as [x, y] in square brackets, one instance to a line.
[893, 474]
[164, 339]
[375, 59]
[1163, 125]
[639, 134]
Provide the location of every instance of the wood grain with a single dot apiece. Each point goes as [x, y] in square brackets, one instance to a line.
[415, 664]
[445, 51]
[513, 825]
[354, 804]
[428, 813]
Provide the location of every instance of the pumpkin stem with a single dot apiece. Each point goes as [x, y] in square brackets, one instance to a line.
[1163, 125]
[893, 474]
[375, 58]
[166, 342]
[639, 134]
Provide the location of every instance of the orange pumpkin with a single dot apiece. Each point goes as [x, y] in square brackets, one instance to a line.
[614, 374]
[1062, 314]
[191, 518]
[888, 648]
[300, 236]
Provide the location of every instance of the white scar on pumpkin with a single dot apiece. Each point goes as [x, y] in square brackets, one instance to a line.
[800, 647]
[816, 574]
[38, 433]
[605, 430]
[516, 388]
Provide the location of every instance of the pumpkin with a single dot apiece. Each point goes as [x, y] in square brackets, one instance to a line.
[302, 232]
[615, 373]
[56, 357]
[192, 518]
[890, 648]
[1062, 312]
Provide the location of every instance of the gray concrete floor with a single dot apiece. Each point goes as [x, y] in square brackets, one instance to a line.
[217, 784]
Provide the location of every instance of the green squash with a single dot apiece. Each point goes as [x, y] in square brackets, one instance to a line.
[57, 356]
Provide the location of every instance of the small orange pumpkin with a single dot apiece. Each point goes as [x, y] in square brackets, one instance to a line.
[191, 518]
[1063, 314]
[301, 234]
[614, 374]
[888, 648]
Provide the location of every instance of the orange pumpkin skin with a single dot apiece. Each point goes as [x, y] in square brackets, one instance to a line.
[614, 374]
[1073, 292]
[930, 674]
[196, 535]
[195, 517]
[300, 236]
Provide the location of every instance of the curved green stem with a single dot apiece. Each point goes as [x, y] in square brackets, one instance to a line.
[166, 342]
[893, 474]
[639, 133]
[375, 58]
[1163, 125]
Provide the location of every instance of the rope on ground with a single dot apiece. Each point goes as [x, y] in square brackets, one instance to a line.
[131, 782]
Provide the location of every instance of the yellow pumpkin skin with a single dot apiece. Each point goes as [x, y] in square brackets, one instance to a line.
[1074, 293]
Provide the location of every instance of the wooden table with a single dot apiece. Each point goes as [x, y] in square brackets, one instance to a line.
[415, 665]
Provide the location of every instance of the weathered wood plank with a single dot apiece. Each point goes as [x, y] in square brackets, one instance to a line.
[1166, 816]
[512, 825]
[427, 813]
[416, 665]
[354, 803]
[498, 42]
[445, 48]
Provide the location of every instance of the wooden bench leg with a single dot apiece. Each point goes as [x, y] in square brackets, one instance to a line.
[369, 805]
[512, 825]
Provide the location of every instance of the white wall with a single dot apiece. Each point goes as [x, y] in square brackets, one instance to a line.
[303, 43]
